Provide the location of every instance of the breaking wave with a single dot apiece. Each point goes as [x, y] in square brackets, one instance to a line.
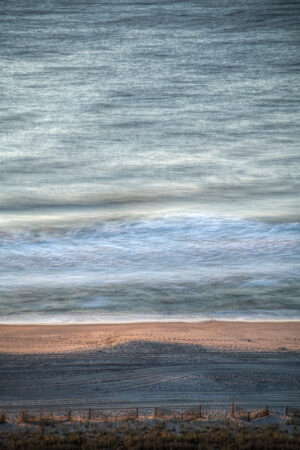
[188, 267]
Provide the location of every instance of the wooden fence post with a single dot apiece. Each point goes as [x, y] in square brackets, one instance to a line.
[90, 414]
[137, 413]
[200, 410]
[155, 412]
[23, 416]
[286, 410]
[232, 409]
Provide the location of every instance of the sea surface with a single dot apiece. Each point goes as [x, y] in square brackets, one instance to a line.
[149, 160]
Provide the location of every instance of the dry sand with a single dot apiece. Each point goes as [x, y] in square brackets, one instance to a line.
[246, 336]
[151, 364]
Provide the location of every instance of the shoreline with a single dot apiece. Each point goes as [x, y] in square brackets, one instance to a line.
[150, 321]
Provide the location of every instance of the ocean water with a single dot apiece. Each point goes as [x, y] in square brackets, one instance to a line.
[149, 158]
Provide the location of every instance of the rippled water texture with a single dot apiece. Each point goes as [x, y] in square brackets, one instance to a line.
[149, 160]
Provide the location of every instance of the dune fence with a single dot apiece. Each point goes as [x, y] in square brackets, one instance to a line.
[51, 415]
[123, 415]
[238, 412]
[172, 413]
[56, 416]
[95, 415]
[292, 415]
[45, 419]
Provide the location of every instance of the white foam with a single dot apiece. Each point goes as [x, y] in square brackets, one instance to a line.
[192, 264]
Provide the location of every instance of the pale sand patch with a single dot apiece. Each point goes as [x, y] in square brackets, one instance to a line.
[243, 336]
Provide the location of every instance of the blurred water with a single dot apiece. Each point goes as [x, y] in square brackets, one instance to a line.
[149, 156]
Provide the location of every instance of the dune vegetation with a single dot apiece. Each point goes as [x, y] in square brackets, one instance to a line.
[158, 437]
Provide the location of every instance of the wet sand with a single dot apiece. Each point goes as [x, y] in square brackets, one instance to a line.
[151, 364]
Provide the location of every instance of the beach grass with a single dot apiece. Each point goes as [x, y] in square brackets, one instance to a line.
[158, 437]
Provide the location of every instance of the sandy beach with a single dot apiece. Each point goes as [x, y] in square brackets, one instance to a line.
[213, 335]
[150, 364]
